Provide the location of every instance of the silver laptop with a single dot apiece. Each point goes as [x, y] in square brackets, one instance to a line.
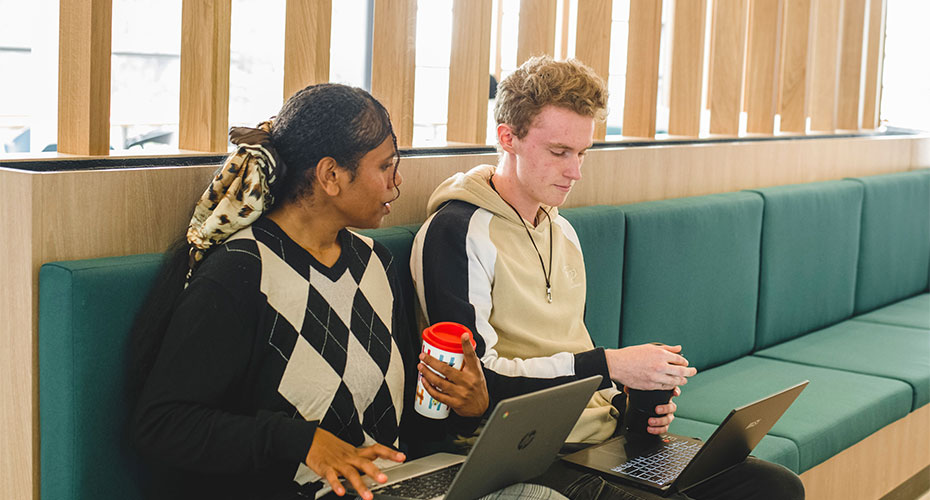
[519, 441]
[671, 462]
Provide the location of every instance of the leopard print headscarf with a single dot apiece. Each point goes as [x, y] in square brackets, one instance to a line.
[239, 193]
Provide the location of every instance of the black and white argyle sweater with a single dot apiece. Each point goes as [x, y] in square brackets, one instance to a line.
[265, 345]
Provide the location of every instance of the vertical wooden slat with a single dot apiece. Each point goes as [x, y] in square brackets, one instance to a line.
[537, 29]
[642, 68]
[592, 42]
[307, 28]
[687, 68]
[727, 66]
[873, 66]
[204, 99]
[761, 67]
[848, 94]
[85, 28]
[824, 65]
[468, 79]
[793, 92]
[393, 62]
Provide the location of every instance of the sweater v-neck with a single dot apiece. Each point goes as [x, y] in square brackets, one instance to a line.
[292, 249]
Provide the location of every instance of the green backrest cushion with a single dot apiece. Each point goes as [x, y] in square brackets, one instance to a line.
[86, 309]
[810, 246]
[894, 256]
[691, 270]
[600, 230]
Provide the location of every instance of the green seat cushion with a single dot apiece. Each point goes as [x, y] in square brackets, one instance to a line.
[810, 246]
[601, 231]
[913, 312]
[863, 347]
[690, 275]
[894, 260]
[774, 449]
[86, 309]
[837, 409]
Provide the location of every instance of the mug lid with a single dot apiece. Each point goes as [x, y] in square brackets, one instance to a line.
[447, 336]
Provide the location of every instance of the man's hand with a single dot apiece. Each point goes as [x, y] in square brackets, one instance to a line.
[465, 390]
[331, 457]
[649, 367]
[659, 425]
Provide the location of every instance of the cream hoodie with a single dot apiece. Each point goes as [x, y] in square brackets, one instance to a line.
[473, 262]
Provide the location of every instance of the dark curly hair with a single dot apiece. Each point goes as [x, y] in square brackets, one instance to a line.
[327, 120]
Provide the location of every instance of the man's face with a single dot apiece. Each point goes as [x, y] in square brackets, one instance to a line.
[549, 157]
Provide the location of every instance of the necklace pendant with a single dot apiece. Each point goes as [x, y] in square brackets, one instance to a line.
[549, 294]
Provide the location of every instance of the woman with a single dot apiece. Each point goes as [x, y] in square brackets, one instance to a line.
[273, 357]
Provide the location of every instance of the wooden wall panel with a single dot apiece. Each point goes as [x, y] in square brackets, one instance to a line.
[687, 75]
[642, 68]
[536, 35]
[393, 67]
[19, 410]
[726, 66]
[85, 28]
[761, 74]
[794, 74]
[307, 30]
[592, 45]
[847, 113]
[468, 66]
[204, 99]
[824, 65]
[872, 96]
[631, 175]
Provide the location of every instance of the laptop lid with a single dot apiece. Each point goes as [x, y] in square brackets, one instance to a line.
[522, 438]
[730, 444]
[736, 437]
[519, 441]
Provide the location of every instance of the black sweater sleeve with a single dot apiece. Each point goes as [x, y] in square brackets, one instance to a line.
[183, 415]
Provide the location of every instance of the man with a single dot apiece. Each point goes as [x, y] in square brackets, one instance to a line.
[496, 256]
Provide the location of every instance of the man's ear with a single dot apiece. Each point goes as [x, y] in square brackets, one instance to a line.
[505, 137]
[327, 175]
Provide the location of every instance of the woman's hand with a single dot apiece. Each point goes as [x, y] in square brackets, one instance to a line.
[331, 457]
[465, 390]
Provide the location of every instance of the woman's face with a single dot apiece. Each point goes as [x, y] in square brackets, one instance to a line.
[367, 199]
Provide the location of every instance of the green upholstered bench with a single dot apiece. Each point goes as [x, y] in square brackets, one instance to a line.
[762, 288]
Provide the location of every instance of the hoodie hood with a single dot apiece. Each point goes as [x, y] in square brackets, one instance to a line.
[474, 187]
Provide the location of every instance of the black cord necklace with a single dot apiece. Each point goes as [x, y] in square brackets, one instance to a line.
[546, 274]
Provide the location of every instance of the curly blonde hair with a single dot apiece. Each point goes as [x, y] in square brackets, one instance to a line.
[542, 81]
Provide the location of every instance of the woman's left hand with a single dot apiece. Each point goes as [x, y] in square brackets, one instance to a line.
[465, 390]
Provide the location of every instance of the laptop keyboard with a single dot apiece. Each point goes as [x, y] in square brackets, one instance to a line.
[426, 486]
[663, 465]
